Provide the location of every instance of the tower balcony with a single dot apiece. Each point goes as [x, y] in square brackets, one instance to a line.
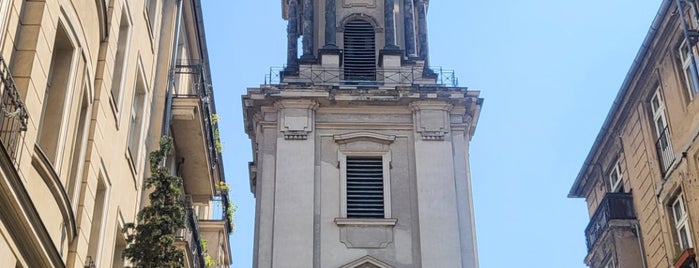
[616, 209]
[379, 77]
[195, 131]
[189, 239]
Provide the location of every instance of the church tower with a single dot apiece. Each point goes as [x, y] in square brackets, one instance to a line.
[360, 148]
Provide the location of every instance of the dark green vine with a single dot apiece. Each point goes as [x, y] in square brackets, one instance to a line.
[151, 242]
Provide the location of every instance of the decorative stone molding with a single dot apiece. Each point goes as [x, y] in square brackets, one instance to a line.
[359, 3]
[296, 118]
[367, 262]
[431, 119]
[363, 135]
[366, 233]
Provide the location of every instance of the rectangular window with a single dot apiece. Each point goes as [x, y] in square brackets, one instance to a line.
[79, 146]
[136, 120]
[681, 222]
[120, 59]
[688, 60]
[119, 247]
[98, 214]
[610, 264]
[663, 144]
[152, 7]
[365, 187]
[615, 178]
[55, 98]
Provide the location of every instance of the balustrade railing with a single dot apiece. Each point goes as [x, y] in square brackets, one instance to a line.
[191, 235]
[665, 153]
[13, 119]
[337, 76]
[614, 206]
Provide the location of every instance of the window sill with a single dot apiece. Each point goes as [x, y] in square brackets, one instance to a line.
[366, 233]
[366, 221]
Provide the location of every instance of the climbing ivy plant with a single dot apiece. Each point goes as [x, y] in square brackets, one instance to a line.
[151, 242]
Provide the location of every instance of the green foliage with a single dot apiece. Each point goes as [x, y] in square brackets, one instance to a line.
[217, 137]
[230, 213]
[223, 187]
[208, 260]
[151, 242]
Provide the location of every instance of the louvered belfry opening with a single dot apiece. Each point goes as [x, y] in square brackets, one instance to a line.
[365, 187]
[360, 51]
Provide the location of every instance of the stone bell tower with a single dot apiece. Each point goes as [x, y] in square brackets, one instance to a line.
[360, 149]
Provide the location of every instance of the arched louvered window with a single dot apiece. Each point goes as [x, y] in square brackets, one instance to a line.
[360, 51]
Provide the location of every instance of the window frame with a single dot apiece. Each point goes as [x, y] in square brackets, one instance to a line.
[386, 161]
[681, 222]
[119, 78]
[616, 170]
[689, 71]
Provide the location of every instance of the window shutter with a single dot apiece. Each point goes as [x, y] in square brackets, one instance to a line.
[360, 53]
[365, 187]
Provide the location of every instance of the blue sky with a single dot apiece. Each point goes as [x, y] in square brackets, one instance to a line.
[548, 70]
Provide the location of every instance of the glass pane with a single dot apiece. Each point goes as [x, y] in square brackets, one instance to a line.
[677, 208]
[684, 240]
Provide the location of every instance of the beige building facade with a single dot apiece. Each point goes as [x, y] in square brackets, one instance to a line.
[640, 177]
[88, 88]
[360, 149]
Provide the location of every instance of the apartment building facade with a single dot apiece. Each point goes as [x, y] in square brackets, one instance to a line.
[640, 178]
[360, 147]
[88, 88]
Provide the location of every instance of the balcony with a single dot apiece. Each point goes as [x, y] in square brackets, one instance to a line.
[194, 130]
[665, 153]
[614, 206]
[190, 238]
[206, 226]
[317, 75]
[14, 114]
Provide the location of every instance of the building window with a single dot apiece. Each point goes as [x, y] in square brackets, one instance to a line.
[663, 144]
[359, 51]
[151, 9]
[136, 121]
[681, 223]
[99, 212]
[365, 198]
[120, 59]
[79, 145]
[689, 71]
[56, 96]
[610, 264]
[119, 247]
[615, 178]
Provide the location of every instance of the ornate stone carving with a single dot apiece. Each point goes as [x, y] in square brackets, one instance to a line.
[296, 118]
[366, 233]
[431, 119]
[359, 3]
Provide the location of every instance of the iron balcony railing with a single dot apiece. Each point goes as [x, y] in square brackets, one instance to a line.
[192, 82]
[191, 235]
[614, 206]
[665, 153]
[14, 116]
[337, 76]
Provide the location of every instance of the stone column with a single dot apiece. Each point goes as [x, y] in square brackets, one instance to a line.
[389, 20]
[330, 24]
[292, 36]
[422, 30]
[409, 19]
[308, 39]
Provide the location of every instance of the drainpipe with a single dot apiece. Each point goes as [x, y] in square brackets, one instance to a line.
[171, 79]
[640, 244]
